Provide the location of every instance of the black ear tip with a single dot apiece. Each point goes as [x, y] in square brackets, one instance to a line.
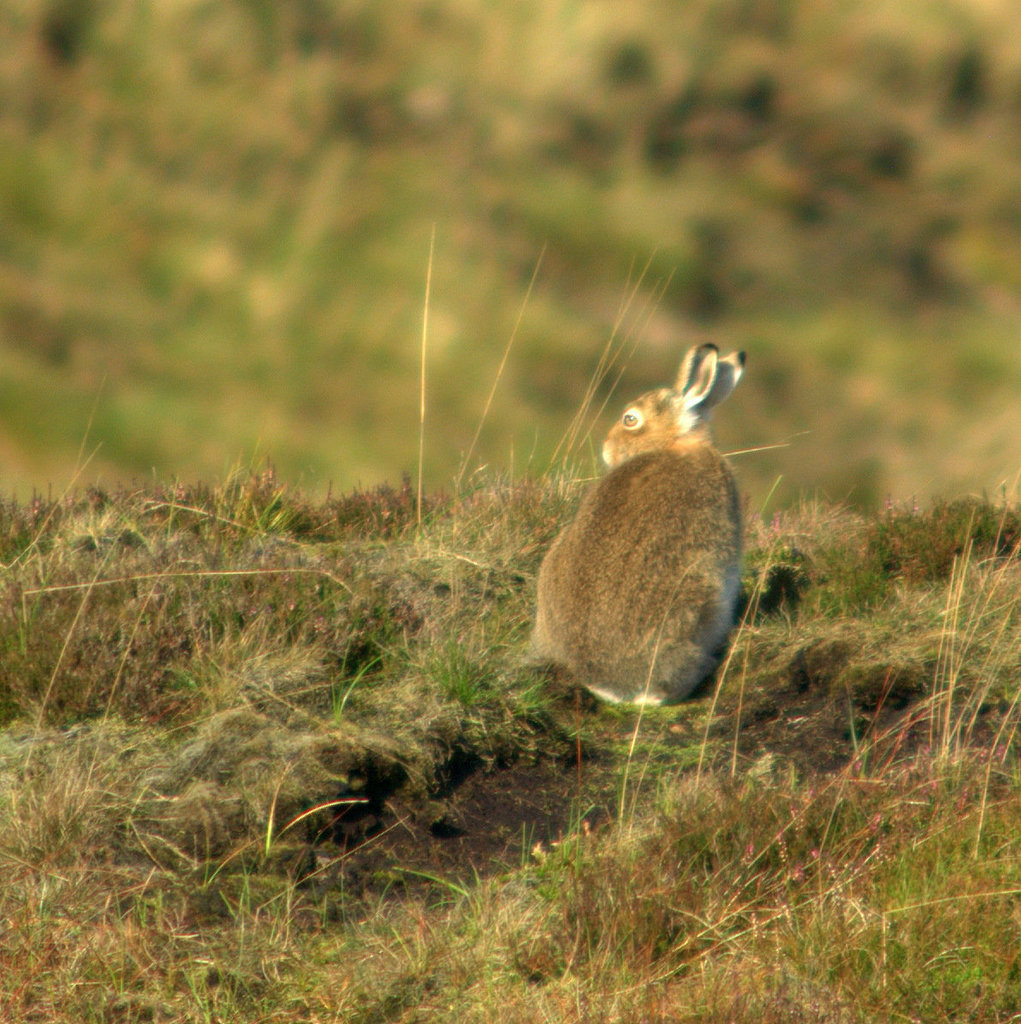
[741, 358]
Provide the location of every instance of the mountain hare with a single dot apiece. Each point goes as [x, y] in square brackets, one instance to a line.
[637, 595]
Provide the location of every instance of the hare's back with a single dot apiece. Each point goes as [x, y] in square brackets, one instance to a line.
[681, 500]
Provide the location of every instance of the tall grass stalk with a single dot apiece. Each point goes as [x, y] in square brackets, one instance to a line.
[110, 581]
[622, 358]
[466, 460]
[734, 643]
[615, 354]
[644, 702]
[129, 646]
[950, 660]
[748, 616]
[421, 378]
[979, 612]
[87, 590]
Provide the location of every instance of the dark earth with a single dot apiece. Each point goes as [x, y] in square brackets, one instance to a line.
[814, 717]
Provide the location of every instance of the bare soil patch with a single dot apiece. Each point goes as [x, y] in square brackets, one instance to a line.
[485, 822]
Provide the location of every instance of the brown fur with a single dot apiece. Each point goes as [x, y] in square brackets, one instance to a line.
[636, 595]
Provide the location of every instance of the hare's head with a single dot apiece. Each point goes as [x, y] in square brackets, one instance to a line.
[678, 416]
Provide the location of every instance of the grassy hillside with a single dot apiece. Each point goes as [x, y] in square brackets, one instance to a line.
[270, 758]
[215, 222]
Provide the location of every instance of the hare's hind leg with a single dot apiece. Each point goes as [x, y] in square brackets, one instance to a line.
[692, 661]
[683, 669]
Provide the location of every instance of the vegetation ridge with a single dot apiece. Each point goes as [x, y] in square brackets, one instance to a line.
[266, 757]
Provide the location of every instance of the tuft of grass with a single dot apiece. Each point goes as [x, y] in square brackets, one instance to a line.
[458, 675]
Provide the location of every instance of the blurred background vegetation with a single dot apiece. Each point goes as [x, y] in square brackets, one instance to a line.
[215, 221]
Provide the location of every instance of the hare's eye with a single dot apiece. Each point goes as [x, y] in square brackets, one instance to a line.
[632, 419]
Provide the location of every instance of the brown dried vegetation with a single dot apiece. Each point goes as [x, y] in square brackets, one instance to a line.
[271, 758]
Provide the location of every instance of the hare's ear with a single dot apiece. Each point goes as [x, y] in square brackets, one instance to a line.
[728, 372]
[693, 369]
[706, 379]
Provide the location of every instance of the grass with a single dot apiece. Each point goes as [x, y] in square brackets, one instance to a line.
[272, 757]
[275, 755]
